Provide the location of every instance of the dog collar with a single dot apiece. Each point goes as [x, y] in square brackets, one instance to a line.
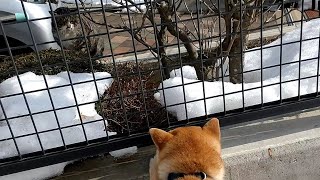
[200, 175]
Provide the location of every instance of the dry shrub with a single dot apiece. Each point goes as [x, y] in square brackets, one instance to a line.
[129, 104]
[52, 63]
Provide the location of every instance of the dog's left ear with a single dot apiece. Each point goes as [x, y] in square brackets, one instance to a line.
[160, 137]
[213, 127]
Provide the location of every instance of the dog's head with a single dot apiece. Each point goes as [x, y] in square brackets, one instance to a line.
[188, 153]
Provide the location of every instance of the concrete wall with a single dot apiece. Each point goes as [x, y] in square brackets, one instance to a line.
[281, 148]
[296, 161]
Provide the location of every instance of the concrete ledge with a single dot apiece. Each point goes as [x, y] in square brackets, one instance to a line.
[286, 147]
[299, 160]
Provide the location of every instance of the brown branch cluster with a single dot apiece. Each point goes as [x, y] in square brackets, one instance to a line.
[167, 24]
[125, 95]
[239, 18]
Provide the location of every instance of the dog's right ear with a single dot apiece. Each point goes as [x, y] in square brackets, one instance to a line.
[213, 128]
[159, 137]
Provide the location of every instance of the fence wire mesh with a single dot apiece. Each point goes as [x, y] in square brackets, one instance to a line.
[83, 78]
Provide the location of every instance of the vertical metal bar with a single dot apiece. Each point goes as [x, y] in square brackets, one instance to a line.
[105, 22]
[69, 76]
[43, 75]
[261, 53]
[136, 60]
[180, 60]
[318, 64]
[91, 65]
[20, 84]
[90, 60]
[241, 53]
[9, 126]
[155, 31]
[198, 7]
[221, 57]
[281, 48]
[300, 49]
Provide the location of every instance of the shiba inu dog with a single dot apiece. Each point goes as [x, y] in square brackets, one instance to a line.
[187, 153]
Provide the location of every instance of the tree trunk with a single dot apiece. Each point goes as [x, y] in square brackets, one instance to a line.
[162, 50]
[165, 12]
[222, 50]
[237, 54]
[235, 58]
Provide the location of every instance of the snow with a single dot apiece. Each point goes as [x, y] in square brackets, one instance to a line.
[124, 152]
[187, 71]
[37, 174]
[213, 91]
[290, 53]
[39, 102]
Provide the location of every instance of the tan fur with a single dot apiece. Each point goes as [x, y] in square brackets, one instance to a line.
[187, 150]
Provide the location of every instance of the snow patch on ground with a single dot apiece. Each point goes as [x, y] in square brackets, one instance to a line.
[124, 152]
[15, 108]
[39, 173]
[187, 71]
[213, 91]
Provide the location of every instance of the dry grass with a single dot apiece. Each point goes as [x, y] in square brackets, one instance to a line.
[52, 63]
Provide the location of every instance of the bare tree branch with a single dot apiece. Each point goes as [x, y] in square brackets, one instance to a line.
[164, 11]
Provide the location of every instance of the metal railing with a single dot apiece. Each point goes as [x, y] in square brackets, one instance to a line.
[138, 95]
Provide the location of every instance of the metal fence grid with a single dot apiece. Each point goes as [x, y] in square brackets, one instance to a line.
[202, 41]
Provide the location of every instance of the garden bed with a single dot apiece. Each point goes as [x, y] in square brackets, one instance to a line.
[129, 104]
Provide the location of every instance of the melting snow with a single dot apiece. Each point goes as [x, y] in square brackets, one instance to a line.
[213, 91]
[62, 97]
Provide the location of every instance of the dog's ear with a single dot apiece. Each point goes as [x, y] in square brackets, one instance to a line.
[213, 127]
[159, 137]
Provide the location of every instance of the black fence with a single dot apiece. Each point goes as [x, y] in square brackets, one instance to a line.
[89, 79]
